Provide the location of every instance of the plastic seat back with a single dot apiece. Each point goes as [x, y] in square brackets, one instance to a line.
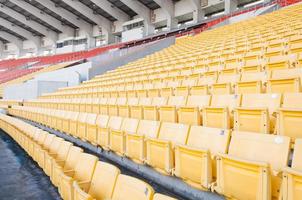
[129, 188]
[103, 180]
[85, 167]
[176, 133]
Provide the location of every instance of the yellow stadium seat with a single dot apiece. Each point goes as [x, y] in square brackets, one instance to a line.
[252, 65]
[129, 188]
[101, 185]
[285, 81]
[82, 173]
[225, 84]
[88, 105]
[114, 123]
[37, 145]
[82, 126]
[73, 123]
[292, 176]
[65, 163]
[96, 102]
[274, 51]
[279, 62]
[168, 113]
[158, 196]
[252, 82]
[82, 104]
[66, 121]
[195, 161]
[118, 137]
[152, 112]
[169, 135]
[52, 152]
[91, 128]
[124, 110]
[113, 108]
[289, 116]
[137, 111]
[135, 142]
[257, 113]
[43, 149]
[191, 113]
[219, 113]
[60, 117]
[255, 161]
[104, 108]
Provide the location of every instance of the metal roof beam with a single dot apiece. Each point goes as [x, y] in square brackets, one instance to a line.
[28, 35]
[32, 24]
[113, 11]
[66, 14]
[44, 17]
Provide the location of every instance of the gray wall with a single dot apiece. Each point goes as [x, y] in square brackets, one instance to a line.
[72, 75]
[32, 89]
[113, 59]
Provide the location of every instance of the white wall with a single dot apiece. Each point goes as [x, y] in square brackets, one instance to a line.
[133, 34]
[31, 90]
[72, 75]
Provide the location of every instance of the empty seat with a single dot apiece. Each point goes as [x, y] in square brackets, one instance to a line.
[103, 138]
[291, 185]
[169, 135]
[64, 163]
[43, 149]
[289, 116]
[135, 142]
[152, 112]
[225, 84]
[129, 188]
[158, 196]
[254, 161]
[252, 82]
[101, 185]
[195, 161]
[219, 113]
[168, 113]
[136, 111]
[81, 173]
[113, 108]
[91, 128]
[285, 81]
[117, 137]
[81, 126]
[191, 113]
[279, 62]
[124, 110]
[52, 152]
[73, 123]
[257, 113]
[104, 108]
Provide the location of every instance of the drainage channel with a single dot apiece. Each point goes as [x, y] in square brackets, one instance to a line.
[168, 185]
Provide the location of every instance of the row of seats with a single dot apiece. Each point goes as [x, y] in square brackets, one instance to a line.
[278, 81]
[203, 157]
[78, 175]
[197, 75]
[265, 113]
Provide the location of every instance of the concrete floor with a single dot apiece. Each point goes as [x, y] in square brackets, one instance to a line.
[20, 177]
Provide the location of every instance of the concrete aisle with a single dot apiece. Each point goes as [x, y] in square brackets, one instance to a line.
[20, 176]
